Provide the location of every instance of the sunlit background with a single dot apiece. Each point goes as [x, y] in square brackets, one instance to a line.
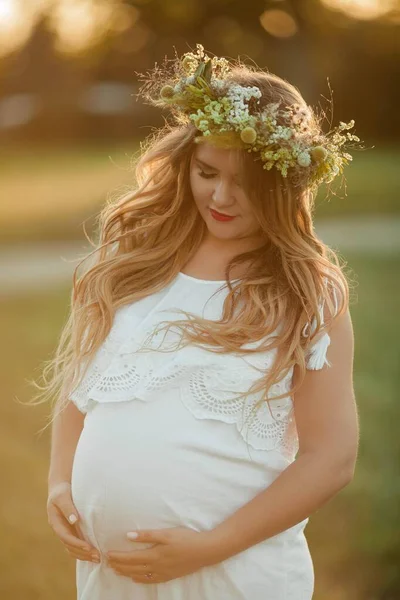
[69, 126]
[78, 24]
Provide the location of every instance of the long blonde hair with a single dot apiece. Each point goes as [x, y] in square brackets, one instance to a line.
[148, 234]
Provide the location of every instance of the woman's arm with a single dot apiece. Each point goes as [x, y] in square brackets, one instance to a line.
[66, 430]
[327, 425]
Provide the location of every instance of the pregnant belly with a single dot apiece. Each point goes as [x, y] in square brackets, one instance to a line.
[141, 466]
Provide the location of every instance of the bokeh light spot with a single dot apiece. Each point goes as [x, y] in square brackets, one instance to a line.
[278, 23]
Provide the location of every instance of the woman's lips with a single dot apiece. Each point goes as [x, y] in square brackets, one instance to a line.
[220, 217]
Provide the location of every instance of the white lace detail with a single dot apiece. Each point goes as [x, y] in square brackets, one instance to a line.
[102, 359]
[269, 428]
[206, 383]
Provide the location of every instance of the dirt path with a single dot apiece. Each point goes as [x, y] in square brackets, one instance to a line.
[33, 268]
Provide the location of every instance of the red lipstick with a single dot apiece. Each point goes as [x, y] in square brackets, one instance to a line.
[221, 217]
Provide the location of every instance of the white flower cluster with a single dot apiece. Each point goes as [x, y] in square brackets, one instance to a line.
[239, 96]
[304, 159]
[218, 84]
[281, 133]
[272, 111]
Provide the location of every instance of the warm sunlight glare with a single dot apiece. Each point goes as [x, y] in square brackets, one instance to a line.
[8, 11]
[76, 23]
[362, 9]
[17, 18]
[12, 32]
[80, 23]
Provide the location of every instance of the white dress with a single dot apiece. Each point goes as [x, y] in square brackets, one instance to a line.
[164, 445]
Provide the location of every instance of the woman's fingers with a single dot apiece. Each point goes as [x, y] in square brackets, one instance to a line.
[60, 495]
[60, 508]
[81, 555]
[77, 528]
[64, 531]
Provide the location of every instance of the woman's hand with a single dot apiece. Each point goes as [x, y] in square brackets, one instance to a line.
[60, 509]
[176, 552]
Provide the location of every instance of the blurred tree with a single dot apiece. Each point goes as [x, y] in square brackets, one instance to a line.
[304, 41]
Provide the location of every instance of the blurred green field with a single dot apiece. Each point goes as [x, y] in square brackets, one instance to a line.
[47, 193]
[353, 538]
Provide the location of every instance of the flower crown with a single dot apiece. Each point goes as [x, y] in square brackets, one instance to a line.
[227, 115]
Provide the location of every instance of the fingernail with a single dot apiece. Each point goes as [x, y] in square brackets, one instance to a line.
[72, 518]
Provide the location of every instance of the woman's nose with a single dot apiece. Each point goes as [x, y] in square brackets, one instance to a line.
[223, 195]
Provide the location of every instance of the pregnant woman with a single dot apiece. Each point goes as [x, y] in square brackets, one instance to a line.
[205, 403]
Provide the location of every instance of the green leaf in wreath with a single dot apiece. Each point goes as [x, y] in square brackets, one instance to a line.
[194, 90]
[203, 84]
[207, 71]
[199, 70]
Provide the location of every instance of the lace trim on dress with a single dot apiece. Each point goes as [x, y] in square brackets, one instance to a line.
[268, 428]
[102, 358]
[207, 384]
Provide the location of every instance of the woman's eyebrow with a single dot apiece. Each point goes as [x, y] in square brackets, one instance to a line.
[204, 164]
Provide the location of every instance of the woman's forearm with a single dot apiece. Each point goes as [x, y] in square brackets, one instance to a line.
[66, 430]
[298, 491]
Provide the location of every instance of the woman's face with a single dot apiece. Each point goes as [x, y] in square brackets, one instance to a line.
[216, 184]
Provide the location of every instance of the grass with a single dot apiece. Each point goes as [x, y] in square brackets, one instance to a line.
[356, 548]
[50, 192]
[352, 538]
[372, 184]
[47, 193]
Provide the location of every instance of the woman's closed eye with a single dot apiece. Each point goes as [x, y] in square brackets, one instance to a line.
[210, 176]
[206, 175]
